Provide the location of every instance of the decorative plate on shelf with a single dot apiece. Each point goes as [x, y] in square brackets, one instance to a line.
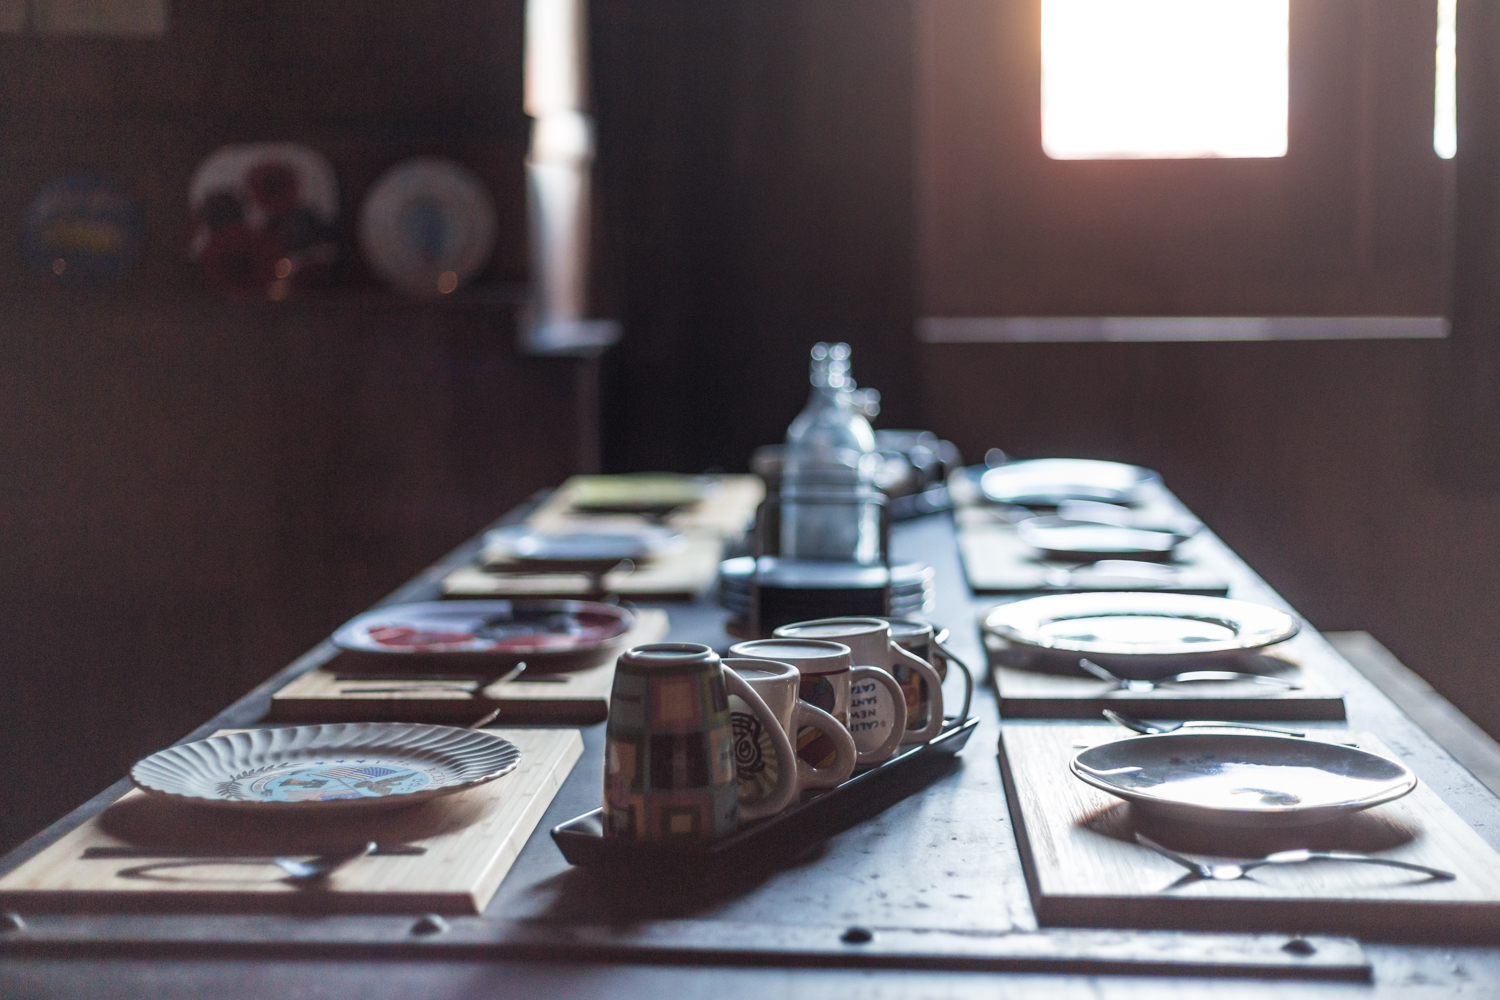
[326, 769]
[427, 226]
[263, 216]
[82, 228]
[1140, 635]
[481, 635]
[1225, 779]
[1047, 482]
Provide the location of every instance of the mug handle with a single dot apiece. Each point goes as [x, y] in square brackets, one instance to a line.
[812, 717]
[786, 758]
[934, 684]
[883, 752]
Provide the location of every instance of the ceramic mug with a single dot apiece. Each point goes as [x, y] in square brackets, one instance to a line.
[920, 639]
[669, 769]
[869, 639]
[832, 682]
[779, 683]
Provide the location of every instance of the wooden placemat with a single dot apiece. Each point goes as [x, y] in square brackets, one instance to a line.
[1084, 869]
[1034, 694]
[726, 511]
[577, 698]
[997, 561]
[677, 577]
[217, 861]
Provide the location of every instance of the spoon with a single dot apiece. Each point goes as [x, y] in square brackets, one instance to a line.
[1189, 677]
[315, 870]
[1230, 872]
[1162, 728]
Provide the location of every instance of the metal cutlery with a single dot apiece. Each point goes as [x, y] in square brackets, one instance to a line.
[314, 870]
[126, 852]
[306, 872]
[1188, 677]
[1161, 728]
[1230, 872]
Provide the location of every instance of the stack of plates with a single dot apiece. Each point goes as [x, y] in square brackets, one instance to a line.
[794, 591]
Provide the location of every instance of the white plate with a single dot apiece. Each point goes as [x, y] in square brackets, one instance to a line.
[1091, 540]
[602, 548]
[1047, 482]
[427, 226]
[326, 769]
[1139, 634]
[1226, 779]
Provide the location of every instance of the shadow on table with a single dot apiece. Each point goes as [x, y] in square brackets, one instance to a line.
[692, 884]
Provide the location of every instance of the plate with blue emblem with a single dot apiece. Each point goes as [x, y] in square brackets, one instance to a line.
[326, 769]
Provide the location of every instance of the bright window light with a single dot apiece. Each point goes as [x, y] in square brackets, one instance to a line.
[1152, 79]
[1445, 111]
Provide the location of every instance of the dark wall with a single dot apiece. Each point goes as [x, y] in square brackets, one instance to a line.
[193, 489]
[755, 160]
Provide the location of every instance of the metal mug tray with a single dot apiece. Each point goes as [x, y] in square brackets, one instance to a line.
[781, 837]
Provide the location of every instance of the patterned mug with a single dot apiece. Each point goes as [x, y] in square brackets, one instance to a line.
[779, 685]
[669, 771]
[832, 682]
[873, 645]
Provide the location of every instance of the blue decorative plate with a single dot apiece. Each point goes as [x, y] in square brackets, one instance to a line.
[351, 765]
[82, 228]
[427, 226]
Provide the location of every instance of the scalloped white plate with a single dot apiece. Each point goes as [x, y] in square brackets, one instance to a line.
[328, 768]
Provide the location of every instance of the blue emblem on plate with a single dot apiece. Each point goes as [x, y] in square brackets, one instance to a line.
[82, 228]
[327, 781]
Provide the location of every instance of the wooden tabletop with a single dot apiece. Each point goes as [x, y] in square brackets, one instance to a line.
[936, 876]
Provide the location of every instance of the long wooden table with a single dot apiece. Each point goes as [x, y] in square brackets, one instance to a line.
[937, 876]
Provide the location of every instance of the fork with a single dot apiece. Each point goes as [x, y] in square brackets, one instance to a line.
[1162, 728]
[1230, 872]
[1189, 677]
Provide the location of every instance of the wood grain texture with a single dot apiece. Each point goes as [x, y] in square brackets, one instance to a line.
[576, 698]
[472, 838]
[1037, 695]
[1084, 869]
[997, 561]
[1451, 729]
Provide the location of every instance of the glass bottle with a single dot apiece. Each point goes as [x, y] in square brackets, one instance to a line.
[829, 468]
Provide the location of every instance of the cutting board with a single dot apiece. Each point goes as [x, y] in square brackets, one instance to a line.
[677, 577]
[202, 860]
[578, 698]
[1034, 694]
[1084, 869]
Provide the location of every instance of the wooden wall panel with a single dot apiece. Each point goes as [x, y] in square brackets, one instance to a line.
[194, 490]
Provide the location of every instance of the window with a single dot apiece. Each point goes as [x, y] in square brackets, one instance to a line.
[1183, 169]
[1445, 103]
[1156, 79]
